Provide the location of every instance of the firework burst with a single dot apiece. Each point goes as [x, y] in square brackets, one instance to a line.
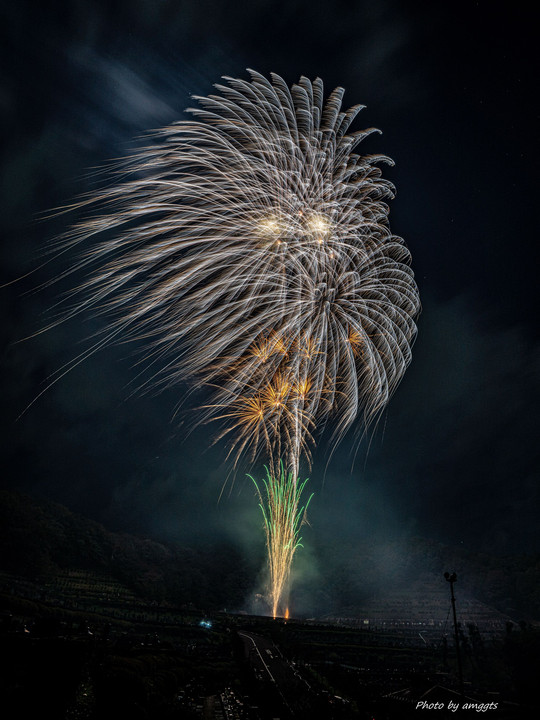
[250, 248]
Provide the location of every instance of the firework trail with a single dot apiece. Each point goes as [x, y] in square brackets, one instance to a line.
[283, 517]
[250, 248]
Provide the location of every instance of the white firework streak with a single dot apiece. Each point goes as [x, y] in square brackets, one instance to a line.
[250, 248]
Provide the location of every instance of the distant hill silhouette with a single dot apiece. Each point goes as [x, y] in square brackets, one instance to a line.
[364, 573]
[42, 539]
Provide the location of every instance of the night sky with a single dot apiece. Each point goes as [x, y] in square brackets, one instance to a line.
[452, 87]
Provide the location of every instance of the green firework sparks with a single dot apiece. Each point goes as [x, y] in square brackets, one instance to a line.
[283, 515]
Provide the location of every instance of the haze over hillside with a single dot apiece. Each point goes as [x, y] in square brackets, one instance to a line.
[43, 539]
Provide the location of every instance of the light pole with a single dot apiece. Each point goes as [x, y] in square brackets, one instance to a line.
[452, 579]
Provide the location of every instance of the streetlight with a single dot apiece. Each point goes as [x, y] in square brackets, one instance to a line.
[452, 579]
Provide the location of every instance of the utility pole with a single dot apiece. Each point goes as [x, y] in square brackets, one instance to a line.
[452, 579]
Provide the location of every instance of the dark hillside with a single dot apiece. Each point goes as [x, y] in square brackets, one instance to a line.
[42, 539]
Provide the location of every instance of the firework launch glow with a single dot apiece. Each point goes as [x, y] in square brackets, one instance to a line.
[250, 249]
[283, 517]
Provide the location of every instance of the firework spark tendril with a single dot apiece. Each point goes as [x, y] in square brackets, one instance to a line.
[250, 248]
[283, 516]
